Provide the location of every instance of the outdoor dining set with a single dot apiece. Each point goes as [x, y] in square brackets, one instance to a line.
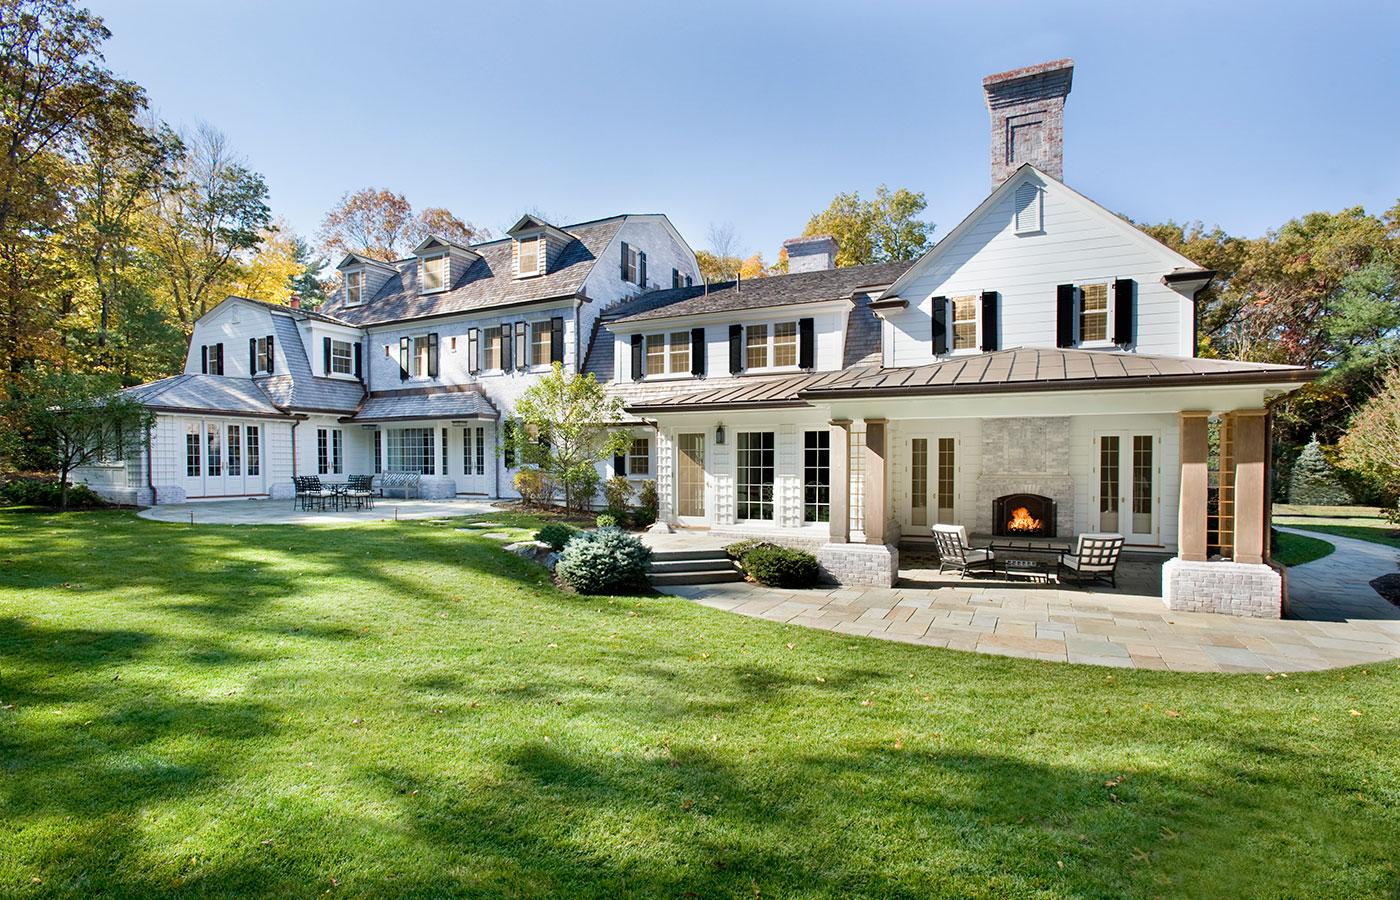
[1092, 558]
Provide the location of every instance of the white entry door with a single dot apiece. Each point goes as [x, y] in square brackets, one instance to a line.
[1127, 486]
[932, 483]
[478, 460]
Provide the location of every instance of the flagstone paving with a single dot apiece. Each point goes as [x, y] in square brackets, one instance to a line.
[1334, 622]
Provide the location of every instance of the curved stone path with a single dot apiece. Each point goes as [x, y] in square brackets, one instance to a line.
[1337, 588]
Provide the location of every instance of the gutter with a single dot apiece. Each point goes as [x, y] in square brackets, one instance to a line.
[1302, 376]
[475, 311]
[657, 409]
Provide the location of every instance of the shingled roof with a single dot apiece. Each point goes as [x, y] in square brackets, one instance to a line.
[391, 406]
[205, 393]
[757, 293]
[488, 282]
[300, 387]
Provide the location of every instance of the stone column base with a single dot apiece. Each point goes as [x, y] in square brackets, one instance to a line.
[1237, 589]
[874, 565]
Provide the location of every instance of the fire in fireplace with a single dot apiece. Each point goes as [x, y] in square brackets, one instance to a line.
[1023, 515]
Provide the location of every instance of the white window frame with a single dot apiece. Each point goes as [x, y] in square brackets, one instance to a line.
[633, 469]
[541, 341]
[678, 342]
[771, 346]
[446, 269]
[634, 264]
[418, 351]
[1107, 339]
[348, 359]
[669, 345]
[355, 288]
[953, 320]
[538, 242]
[485, 349]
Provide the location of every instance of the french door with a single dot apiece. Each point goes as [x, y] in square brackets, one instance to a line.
[478, 460]
[690, 477]
[222, 458]
[932, 474]
[1127, 486]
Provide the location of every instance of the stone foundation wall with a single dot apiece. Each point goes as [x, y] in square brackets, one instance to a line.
[875, 565]
[1237, 589]
[797, 541]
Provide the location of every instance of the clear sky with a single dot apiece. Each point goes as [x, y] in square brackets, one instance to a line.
[1237, 114]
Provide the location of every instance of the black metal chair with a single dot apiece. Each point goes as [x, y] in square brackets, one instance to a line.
[954, 552]
[311, 493]
[1095, 558]
[359, 490]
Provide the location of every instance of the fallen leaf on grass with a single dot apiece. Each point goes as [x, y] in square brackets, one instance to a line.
[1139, 855]
[1173, 714]
[820, 680]
[790, 646]
[865, 703]
[1356, 712]
[687, 804]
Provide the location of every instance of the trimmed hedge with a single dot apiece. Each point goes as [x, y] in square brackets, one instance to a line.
[781, 566]
[47, 492]
[556, 534]
[605, 561]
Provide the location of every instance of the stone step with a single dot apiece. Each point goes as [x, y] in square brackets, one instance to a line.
[673, 555]
[661, 579]
[671, 566]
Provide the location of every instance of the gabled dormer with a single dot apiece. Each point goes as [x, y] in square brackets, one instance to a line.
[441, 263]
[363, 277]
[535, 246]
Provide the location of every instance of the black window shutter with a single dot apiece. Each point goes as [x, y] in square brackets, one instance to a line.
[220, 348]
[620, 464]
[252, 356]
[940, 325]
[624, 260]
[807, 343]
[359, 354]
[989, 321]
[271, 356]
[433, 355]
[326, 354]
[403, 358]
[1064, 315]
[697, 351]
[642, 268]
[1123, 312]
[508, 443]
[473, 351]
[637, 357]
[204, 359]
[556, 340]
[736, 349]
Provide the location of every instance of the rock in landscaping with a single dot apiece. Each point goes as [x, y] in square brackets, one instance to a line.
[496, 535]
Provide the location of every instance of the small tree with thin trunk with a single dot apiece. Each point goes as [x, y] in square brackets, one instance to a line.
[82, 419]
[569, 426]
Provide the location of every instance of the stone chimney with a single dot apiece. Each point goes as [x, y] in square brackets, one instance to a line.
[810, 254]
[1028, 118]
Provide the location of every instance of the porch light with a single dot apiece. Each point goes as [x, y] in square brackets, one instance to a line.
[719, 435]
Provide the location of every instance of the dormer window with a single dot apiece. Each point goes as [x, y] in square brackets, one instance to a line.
[434, 273]
[530, 255]
[354, 288]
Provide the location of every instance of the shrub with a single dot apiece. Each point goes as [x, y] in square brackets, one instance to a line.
[556, 534]
[616, 492]
[642, 517]
[535, 487]
[604, 561]
[48, 492]
[781, 567]
[739, 549]
[646, 498]
[606, 520]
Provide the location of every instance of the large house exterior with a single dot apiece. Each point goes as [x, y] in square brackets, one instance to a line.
[1039, 360]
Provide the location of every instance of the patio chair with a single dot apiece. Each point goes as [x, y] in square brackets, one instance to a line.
[359, 490]
[954, 552]
[310, 493]
[1095, 558]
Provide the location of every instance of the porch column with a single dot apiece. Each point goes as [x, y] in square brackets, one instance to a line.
[1251, 492]
[1195, 486]
[840, 525]
[875, 481]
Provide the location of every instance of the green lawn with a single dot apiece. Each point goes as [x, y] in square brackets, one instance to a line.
[404, 709]
[1364, 528]
[1296, 549]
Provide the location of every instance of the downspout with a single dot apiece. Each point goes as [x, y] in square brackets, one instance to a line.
[578, 360]
[295, 422]
[150, 458]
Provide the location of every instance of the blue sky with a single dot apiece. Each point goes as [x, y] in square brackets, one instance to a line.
[1238, 114]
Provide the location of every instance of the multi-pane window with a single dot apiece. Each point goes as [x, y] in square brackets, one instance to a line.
[354, 288]
[816, 476]
[422, 350]
[491, 357]
[1108, 483]
[214, 455]
[342, 357]
[856, 488]
[410, 450]
[965, 322]
[253, 434]
[323, 457]
[474, 450]
[530, 256]
[235, 450]
[918, 481]
[946, 470]
[756, 343]
[656, 354]
[1093, 312]
[755, 483]
[330, 451]
[639, 456]
[1142, 483]
[435, 273]
[192, 467]
[264, 355]
[633, 262]
[337, 451]
[378, 452]
[679, 357]
[785, 344]
[541, 335]
[442, 446]
[690, 475]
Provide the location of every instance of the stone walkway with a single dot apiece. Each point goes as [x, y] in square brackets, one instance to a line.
[1128, 627]
[283, 512]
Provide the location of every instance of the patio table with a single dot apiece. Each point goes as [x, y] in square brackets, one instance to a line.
[1025, 558]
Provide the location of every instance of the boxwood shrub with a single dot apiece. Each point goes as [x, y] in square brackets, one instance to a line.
[556, 534]
[605, 561]
[781, 567]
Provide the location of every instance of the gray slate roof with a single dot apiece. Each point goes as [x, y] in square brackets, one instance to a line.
[488, 282]
[300, 388]
[403, 405]
[757, 293]
[1020, 369]
[204, 393]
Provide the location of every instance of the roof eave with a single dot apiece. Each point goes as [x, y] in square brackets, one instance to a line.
[1224, 379]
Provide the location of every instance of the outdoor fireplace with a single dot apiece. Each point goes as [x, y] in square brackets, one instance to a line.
[1023, 515]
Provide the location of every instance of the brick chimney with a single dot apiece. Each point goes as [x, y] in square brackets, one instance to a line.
[810, 254]
[294, 301]
[1028, 118]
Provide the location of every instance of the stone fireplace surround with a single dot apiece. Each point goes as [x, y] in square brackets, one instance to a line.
[1025, 455]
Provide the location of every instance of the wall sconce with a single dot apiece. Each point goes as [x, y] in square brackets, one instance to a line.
[719, 435]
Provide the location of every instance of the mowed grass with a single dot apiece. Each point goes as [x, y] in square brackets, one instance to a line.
[1363, 528]
[1296, 549]
[404, 709]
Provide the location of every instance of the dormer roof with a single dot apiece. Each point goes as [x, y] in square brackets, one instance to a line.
[357, 259]
[531, 223]
[434, 242]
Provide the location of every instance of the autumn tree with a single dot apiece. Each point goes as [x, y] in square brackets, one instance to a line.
[1371, 445]
[882, 229]
[382, 224]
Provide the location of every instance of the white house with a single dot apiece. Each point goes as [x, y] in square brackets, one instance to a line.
[1033, 374]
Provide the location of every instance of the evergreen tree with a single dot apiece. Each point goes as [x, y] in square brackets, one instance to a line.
[1314, 483]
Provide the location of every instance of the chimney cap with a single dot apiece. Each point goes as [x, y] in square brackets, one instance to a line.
[810, 240]
[1053, 65]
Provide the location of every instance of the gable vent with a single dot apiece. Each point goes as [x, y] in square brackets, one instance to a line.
[1029, 207]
